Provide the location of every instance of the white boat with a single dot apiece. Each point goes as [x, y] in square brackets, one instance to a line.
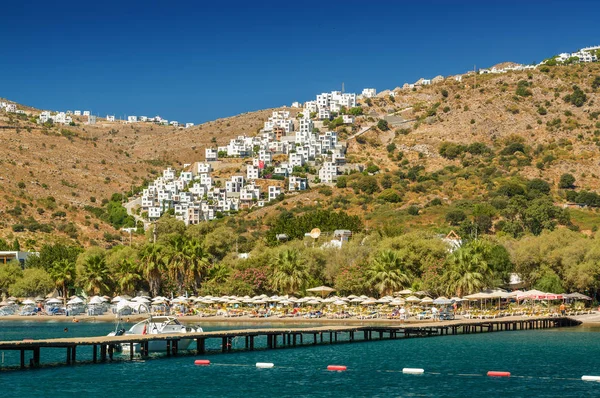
[157, 325]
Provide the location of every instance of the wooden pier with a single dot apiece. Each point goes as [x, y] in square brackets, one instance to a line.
[104, 347]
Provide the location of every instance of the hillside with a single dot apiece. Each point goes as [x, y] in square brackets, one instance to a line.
[412, 184]
[51, 169]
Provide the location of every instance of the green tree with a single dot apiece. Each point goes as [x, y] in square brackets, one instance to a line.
[455, 217]
[382, 125]
[567, 181]
[35, 281]
[95, 278]
[63, 273]
[9, 274]
[467, 271]
[289, 271]
[123, 266]
[387, 273]
[153, 264]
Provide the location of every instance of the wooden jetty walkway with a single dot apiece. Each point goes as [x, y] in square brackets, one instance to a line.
[104, 347]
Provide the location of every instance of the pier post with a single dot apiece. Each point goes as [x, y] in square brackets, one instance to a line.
[200, 346]
[22, 358]
[36, 356]
[251, 343]
[294, 339]
[131, 351]
[103, 352]
[229, 344]
[175, 347]
[68, 355]
[111, 351]
[94, 353]
[224, 345]
[314, 339]
[246, 343]
[74, 353]
[168, 348]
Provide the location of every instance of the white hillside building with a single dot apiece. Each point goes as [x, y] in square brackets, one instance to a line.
[369, 92]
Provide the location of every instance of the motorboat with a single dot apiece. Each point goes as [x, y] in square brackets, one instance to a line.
[157, 325]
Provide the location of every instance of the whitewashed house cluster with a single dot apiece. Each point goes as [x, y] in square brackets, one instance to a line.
[328, 103]
[586, 54]
[8, 107]
[196, 196]
[58, 117]
[156, 120]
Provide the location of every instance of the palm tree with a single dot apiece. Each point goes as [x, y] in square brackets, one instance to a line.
[63, 272]
[196, 262]
[127, 275]
[152, 258]
[467, 272]
[176, 260]
[387, 273]
[289, 271]
[95, 276]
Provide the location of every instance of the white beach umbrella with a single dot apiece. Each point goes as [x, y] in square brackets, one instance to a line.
[140, 299]
[96, 300]
[357, 300]
[313, 302]
[117, 299]
[75, 300]
[369, 302]
[405, 291]
[413, 299]
[339, 302]
[28, 302]
[54, 301]
[427, 300]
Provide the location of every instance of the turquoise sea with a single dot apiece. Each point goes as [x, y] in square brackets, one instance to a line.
[546, 363]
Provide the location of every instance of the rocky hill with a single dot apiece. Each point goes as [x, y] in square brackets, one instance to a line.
[438, 149]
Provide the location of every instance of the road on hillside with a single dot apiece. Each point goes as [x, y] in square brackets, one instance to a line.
[130, 206]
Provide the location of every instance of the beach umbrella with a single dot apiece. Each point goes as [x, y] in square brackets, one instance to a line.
[38, 298]
[357, 300]
[3, 303]
[313, 302]
[28, 302]
[413, 299]
[12, 298]
[397, 302]
[117, 299]
[427, 300]
[285, 302]
[577, 296]
[54, 301]
[442, 301]
[339, 302]
[75, 300]
[140, 300]
[383, 300]
[420, 293]
[405, 291]
[323, 290]
[352, 296]
[369, 302]
[96, 300]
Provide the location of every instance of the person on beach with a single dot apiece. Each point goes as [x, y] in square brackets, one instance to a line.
[563, 309]
[434, 314]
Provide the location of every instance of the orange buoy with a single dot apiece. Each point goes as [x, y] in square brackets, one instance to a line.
[338, 368]
[201, 362]
[493, 373]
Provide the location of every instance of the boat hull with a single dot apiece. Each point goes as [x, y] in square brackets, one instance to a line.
[158, 346]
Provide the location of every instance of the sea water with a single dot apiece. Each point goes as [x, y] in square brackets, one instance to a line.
[543, 363]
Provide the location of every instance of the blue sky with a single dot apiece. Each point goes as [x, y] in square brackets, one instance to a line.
[198, 61]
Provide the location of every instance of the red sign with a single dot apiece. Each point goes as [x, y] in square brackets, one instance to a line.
[261, 164]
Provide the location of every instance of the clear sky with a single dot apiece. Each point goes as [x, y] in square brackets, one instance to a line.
[200, 60]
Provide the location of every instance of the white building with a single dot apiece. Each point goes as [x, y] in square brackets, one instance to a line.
[252, 172]
[11, 108]
[347, 119]
[274, 192]
[132, 119]
[110, 118]
[86, 113]
[297, 184]
[211, 154]
[188, 125]
[328, 173]
[369, 92]
[77, 113]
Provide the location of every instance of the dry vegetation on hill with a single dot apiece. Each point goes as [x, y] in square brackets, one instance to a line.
[411, 184]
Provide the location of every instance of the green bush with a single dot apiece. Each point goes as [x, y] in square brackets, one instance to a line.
[382, 125]
[390, 195]
[455, 217]
[567, 181]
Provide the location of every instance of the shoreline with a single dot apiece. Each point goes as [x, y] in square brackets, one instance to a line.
[589, 320]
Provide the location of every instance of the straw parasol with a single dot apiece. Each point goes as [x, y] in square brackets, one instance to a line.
[324, 290]
[412, 299]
